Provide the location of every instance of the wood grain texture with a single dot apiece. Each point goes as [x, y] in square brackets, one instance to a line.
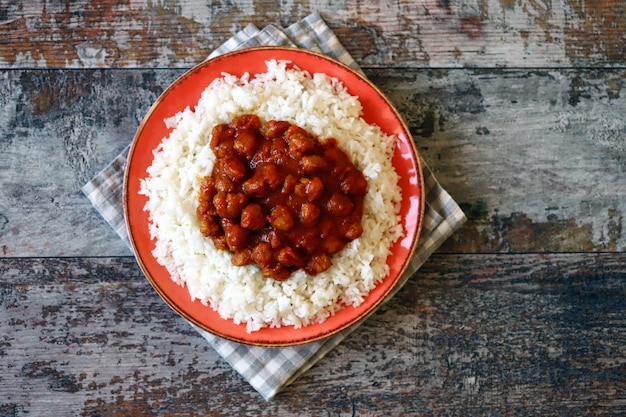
[494, 334]
[516, 105]
[404, 33]
[58, 129]
[535, 157]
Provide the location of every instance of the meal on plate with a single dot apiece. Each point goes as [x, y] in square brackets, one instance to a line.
[272, 200]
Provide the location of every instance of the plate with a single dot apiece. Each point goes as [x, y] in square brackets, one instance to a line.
[186, 91]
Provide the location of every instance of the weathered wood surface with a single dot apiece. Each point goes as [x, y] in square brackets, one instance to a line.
[514, 335]
[517, 106]
[536, 157]
[405, 33]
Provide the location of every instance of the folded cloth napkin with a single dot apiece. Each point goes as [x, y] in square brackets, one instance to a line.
[269, 370]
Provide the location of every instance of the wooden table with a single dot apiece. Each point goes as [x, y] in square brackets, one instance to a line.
[517, 106]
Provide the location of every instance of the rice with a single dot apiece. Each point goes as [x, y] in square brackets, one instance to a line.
[319, 104]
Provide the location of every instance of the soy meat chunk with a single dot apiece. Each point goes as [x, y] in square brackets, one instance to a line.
[318, 263]
[246, 122]
[252, 217]
[309, 213]
[235, 237]
[279, 150]
[311, 188]
[295, 130]
[300, 144]
[270, 174]
[219, 133]
[245, 144]
[273, 239]
[333, 244]
[205, 198]
[215, 135]
[207, 188]
[275, 128]
[266, 177]
[353, 183]
[314, 189]
[233, 167]
[262, 154]
[235, 202]
[277, 272]
[281, 218]
[220, 242]
[288, 257]
[220, 203]
[208, 226]
[256, 186]
[241, 257]
[229, 204]
[224, 183]
[263, 255]
[289, 184]
[350, 230]
[339, 205]
[312, 164]
[222, 137]
[224, 149]
[235, 234]
[326, 227]
[336, 157]
[309, 241]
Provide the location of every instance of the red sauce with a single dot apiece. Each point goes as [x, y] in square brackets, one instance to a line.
[279, 197]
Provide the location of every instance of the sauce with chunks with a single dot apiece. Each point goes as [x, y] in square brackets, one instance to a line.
[279, 197]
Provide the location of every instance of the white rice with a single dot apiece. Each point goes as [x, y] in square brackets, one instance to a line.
[321, 105]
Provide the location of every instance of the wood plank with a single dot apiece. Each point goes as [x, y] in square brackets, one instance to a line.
[431, 33]
[535, 157]
[58, 129]
[470, 334]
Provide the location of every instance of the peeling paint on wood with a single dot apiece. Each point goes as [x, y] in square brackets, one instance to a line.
[518, 233]
[514, 334]
[598, 32]
[536, 170]
[434, 33]
[58, 129]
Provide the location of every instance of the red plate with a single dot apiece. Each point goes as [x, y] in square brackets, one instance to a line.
[185, 92]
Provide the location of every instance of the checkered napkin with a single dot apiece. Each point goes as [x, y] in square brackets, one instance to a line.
[269, 370]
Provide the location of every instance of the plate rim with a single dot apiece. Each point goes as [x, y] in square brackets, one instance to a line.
[292, 341]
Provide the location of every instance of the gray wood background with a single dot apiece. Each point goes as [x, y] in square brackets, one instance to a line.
[517, 106]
